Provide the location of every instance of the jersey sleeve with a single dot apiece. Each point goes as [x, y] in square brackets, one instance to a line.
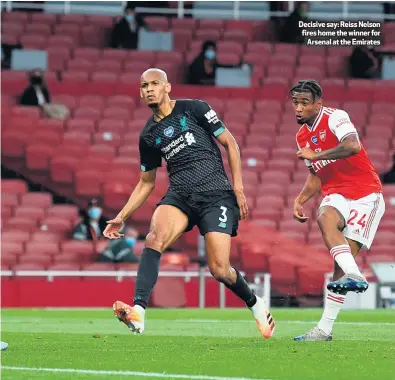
[150, 158]
[340, 124]
[208, 118]
[307, 162]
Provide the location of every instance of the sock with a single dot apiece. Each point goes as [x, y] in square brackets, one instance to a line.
[342, 255]
[147, 276]
[334, 302]
[242, 290]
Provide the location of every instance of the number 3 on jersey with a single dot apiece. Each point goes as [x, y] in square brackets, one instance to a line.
[223, 217]
[354, 215]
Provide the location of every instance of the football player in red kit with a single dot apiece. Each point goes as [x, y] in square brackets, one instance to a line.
[353, 203]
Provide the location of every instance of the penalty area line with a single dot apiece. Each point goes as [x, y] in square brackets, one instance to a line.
[126, 373]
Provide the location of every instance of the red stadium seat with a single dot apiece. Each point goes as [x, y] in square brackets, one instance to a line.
[36, 41]
[56, 225]
[15, 236]
[45, 236]
[208, 34]
[111, 125]
[13, 186]
[63, 211]
[38, 156]
[21, 223]
[82, 248]
[157, 23]
[30, 212]
[41, 259]
[283, 48]
[37, 199]
[121, 101]
[62, 168]
[115, 54]
[211, 24]
[88, 183]
[83, 125]
[104, 77]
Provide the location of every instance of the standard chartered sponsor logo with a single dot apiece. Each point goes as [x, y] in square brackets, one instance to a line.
[176, 145]
[175, 150]
[172, 144]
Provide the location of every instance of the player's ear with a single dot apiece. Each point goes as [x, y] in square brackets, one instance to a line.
[319, 103]
[141, 93]
[168, 87]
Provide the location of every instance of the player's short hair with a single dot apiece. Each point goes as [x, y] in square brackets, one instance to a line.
[308, 85]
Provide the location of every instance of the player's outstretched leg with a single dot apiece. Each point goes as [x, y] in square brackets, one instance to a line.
[331, 223]
[333, 305]
[168, 223]
[218, 251]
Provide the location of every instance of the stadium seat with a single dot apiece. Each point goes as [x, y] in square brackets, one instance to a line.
[87, 183]
[30, 212]
[38, 156]
[56, 225]
[37, 199]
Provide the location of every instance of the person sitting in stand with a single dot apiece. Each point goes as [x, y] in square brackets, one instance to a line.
[92, 225]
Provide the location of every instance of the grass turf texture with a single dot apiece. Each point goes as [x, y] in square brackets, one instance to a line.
[210, 342]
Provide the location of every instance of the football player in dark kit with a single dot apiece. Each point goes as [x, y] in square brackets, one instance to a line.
[182, 132]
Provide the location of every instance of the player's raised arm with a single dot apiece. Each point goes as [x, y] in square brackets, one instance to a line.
[150, 161]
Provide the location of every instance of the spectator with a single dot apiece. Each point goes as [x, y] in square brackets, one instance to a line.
[92, 225]
[125, 32]
[37, 95]
[364, 63]
[291, 32]
[389, 177]
[202, 69]
[121, 250]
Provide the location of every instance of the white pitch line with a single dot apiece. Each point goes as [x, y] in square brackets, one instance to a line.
[278, 322]
[126, 373]
[16, 321]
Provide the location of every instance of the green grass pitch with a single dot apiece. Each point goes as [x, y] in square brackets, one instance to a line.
[208, 344]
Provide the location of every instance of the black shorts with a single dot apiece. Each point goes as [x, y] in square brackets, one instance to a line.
[211, 211]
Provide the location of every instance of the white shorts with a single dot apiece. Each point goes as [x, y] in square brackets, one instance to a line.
[361, 216]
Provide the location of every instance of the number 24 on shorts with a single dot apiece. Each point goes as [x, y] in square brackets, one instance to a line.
[354, 215]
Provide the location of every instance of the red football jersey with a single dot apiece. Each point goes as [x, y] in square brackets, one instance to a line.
[353, 177]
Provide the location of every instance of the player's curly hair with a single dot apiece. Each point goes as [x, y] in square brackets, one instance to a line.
[308, 85]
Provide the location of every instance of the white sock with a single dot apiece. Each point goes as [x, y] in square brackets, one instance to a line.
[140, 309]
[258, 307]
[333, 305]
[342, 255]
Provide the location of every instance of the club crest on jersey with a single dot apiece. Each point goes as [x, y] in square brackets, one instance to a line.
[183, 123]
[323, 135]
[314, 139]
[169, 131]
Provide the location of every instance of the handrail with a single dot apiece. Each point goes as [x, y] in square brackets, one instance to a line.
[180, 11]
[120, 274]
